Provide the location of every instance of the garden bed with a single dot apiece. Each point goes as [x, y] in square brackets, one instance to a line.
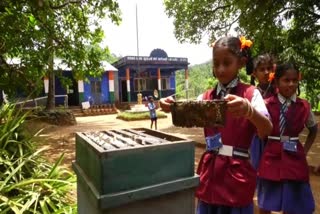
[132, 116]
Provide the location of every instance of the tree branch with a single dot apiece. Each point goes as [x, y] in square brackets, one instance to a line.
[64, 4]
[234, 21]
[42, 23]
[221, 8]
[317, 16]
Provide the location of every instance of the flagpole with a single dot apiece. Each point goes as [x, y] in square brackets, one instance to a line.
[137, 29]
[138, 69]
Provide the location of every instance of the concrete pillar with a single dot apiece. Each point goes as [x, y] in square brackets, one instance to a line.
[111, 86]
[128, 84]
[46, 85]
[159, 82]
[81, 90]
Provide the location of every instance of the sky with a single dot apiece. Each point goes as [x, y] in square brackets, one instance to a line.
[155, 30]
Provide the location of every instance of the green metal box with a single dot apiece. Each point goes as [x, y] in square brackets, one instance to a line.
[118, 167]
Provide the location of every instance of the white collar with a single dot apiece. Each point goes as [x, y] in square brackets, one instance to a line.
[282, 99]
[231, 84]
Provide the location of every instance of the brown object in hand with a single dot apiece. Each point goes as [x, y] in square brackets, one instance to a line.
[208, 113]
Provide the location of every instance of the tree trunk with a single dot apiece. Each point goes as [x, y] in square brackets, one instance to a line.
[51, 90]
[1, 97]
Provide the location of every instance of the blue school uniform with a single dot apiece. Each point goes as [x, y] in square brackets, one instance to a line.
[257, 145]
[152, 110]
[205, 208]
[292, 197]
[256, 150]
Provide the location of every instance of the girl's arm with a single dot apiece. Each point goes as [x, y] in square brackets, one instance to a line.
[241, 107]
[310, 138]
[312, 126]
[262, 123]
[151, 107]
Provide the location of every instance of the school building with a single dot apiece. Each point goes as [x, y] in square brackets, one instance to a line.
[96, 90]
[147, 75]
[124, 79]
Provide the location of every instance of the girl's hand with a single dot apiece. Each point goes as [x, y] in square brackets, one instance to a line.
[241, 107]
[167, 100]
[165, 103]
[238, 106]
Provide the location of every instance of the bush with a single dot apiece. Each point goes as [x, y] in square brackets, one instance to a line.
[27, 183]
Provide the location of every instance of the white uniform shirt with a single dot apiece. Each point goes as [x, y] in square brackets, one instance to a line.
[311, 121]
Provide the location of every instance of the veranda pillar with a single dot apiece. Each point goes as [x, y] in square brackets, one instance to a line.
[111, 86]
[159, 82]
[46, 85]
[81, 90]
[128, 84]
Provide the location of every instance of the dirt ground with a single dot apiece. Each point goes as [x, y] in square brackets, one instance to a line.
[60, 140]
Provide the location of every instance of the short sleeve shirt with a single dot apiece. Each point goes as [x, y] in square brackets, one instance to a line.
[152, 109]
[311, 121]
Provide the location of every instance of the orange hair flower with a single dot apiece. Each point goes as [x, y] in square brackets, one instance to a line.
[271, 76]
[245, 42]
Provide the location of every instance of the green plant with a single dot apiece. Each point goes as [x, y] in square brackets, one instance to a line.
[27, 183]
[129, 116]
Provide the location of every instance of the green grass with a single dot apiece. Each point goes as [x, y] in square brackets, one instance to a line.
[127, 116]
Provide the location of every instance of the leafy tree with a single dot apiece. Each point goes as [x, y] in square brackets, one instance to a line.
[198, 80]
[286, 29]
[38, 30]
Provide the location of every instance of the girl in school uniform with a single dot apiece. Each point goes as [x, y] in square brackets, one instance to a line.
[263, 65]
[263, 70]
[227, 179]
[283, 170]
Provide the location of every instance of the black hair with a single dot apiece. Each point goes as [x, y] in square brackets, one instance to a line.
[261, 59]
[283, 68]
[150, 98]
[234, 45]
